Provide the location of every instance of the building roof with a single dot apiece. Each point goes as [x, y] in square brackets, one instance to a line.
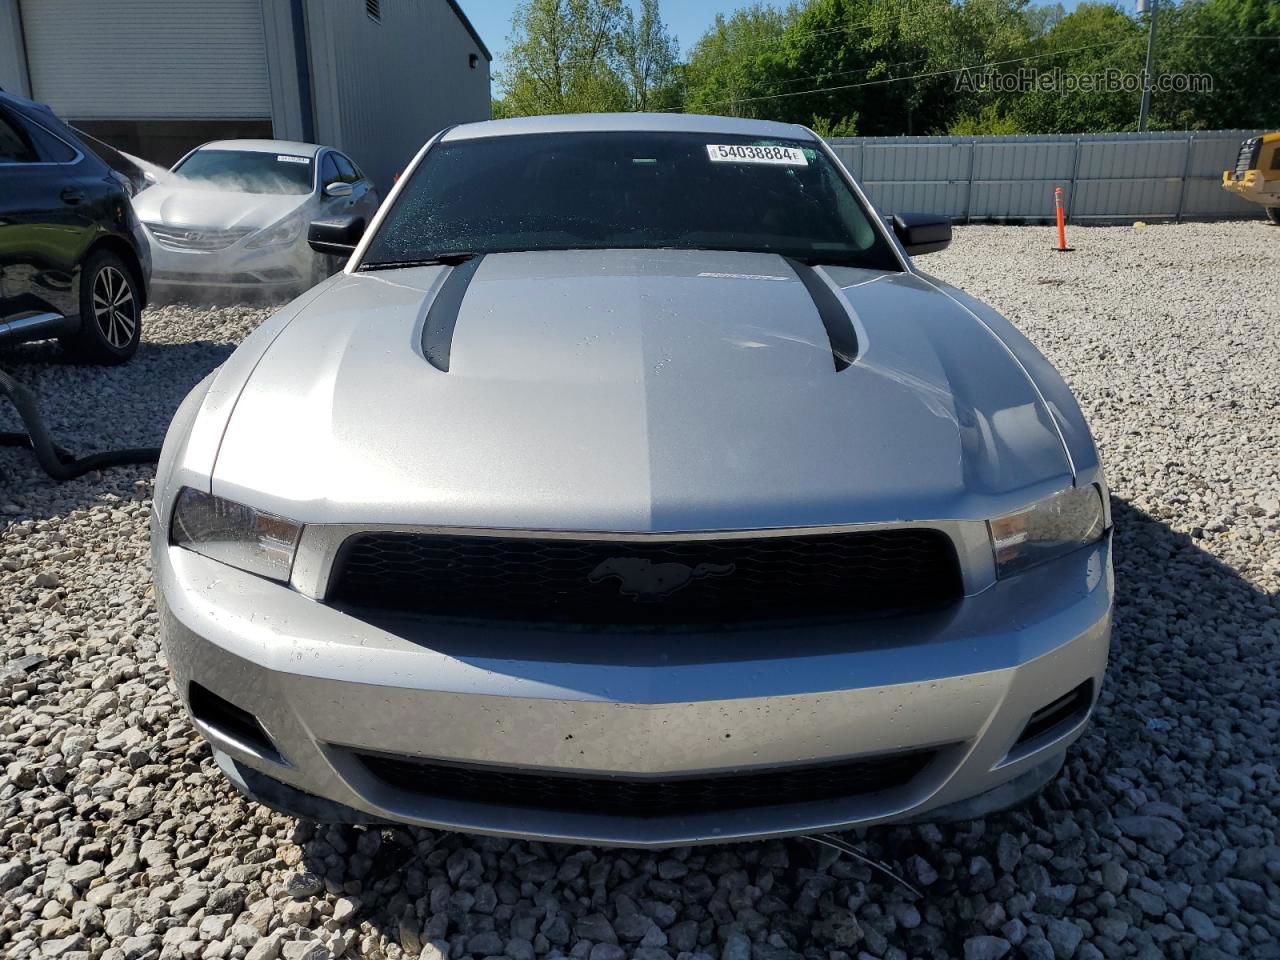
[470, 29]
[655, 122]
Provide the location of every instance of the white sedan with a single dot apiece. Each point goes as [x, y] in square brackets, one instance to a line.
[233, 214]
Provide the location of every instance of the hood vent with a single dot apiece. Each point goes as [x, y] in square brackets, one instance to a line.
[442, 316]
[834, 314]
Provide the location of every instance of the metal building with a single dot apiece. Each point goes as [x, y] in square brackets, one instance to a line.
[374, 78]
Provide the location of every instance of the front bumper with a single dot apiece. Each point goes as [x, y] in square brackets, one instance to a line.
[325, 685]
[236, 266]
[1252, 186]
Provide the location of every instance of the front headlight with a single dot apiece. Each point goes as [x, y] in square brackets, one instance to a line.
[286, 231]
[234, 534]
[1054, 526]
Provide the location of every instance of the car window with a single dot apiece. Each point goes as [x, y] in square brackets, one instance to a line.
[248, 171]
[15, 143]
[328, 170]
[632, 190]
[346, 169]
[51, 149]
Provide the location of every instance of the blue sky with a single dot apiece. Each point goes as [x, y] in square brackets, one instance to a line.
[686, 18]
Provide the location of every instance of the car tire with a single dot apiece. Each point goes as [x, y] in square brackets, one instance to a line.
[110, 312]
[1273, 214]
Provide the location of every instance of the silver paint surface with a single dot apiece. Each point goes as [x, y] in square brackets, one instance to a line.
[637, 391]
[634, 395]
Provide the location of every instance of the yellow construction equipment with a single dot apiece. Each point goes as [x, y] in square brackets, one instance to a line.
[1257, 174]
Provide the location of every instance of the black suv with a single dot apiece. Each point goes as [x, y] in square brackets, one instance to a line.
[74, 263]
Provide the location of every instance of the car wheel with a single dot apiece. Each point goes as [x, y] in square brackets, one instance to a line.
[110, 312]
[1273, 214]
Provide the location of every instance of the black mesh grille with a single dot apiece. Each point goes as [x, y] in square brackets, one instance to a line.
[667, 583]
[668, 797]
[1248, 158]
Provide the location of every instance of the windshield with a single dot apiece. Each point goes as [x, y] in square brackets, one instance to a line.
[629, 190]
[248, 171]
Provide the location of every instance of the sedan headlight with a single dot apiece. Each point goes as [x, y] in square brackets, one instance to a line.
[1054, 526]
[234, 534]
[286, 231]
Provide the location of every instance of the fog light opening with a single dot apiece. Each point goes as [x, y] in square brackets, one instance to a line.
[1057, 717]
[233, 724]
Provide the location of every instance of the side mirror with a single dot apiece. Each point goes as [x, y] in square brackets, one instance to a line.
[337, 189]
[922, 232]
[337, 237]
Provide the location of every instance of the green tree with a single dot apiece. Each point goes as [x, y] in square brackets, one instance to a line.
[1042, 18]
[646, 54]
[1236, 43]
[561, 58]
[1092, 40]
[735, 62]
[887, 67]
[882, 66]
[988, 121]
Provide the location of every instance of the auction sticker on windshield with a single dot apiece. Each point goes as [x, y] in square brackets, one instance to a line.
[748, 153]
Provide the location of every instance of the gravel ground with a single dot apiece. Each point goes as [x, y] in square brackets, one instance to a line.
[118, 839]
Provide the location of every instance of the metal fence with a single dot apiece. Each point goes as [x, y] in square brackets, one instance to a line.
[1104, 176]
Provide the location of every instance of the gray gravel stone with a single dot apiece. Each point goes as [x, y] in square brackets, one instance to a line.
[736, 947]
[300, 886]
[985, 948]
[1064, 936]
[1161, 835]
[12, 873]
[1200, 924]
[268, 948]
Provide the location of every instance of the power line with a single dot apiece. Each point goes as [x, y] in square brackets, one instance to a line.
[1213, 36]
[980, 66]
[787, 35]
[784, 34]
[903, 63]
[919, 76]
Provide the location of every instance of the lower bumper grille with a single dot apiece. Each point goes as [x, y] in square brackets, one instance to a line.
[667, 797]
[605, 582]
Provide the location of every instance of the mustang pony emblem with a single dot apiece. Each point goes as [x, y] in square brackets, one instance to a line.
[643, 579]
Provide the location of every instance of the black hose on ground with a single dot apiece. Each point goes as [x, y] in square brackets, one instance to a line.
[53, 459]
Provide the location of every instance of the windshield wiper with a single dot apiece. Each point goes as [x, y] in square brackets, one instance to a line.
[451, 259]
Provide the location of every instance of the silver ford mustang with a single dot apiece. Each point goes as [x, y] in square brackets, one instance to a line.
[631, 485]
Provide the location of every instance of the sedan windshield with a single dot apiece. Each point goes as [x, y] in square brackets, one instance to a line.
[629, 190]
[248, 171]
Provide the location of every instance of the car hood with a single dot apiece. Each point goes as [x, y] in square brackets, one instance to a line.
[637, 391]
[177, 202]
